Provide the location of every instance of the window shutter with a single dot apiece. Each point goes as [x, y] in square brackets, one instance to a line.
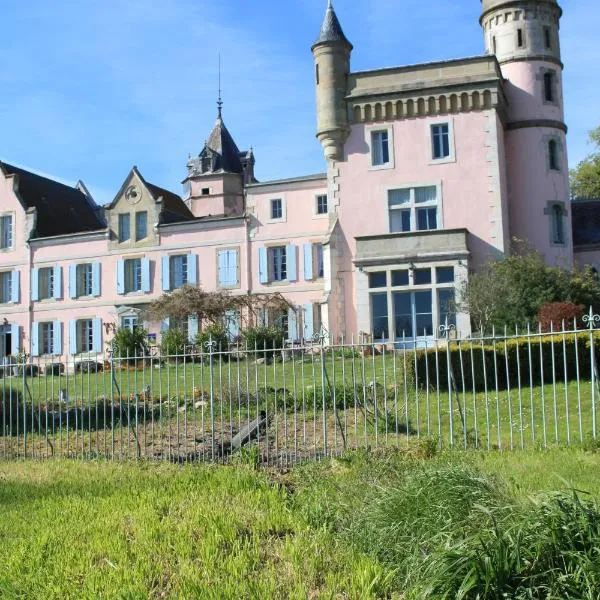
[145, 275]
[57, 282]
[15, 335]
[73, 337]
[192, 328]
[97, 335]
[222, 264]
[72, 281]
[96, 281]
[308, 262]
[232, 267]
[16, 291]
[166, 273]
[35, 284]
[308, 318]
[192, 269]
[35, 339]
[263, 266]
[57, 338]
[121, 277]
[292, 324]
[292, 263]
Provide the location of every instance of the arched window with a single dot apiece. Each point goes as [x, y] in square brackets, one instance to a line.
[557, 224]
[554, 163]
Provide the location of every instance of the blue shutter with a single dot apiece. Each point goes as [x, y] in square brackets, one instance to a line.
[263, 266]
[192, 269]
[222, 262]
[145, 275]
[16, 283]
[15, 336]
[72, 281]
[97, 335]
[57, 282]
[164, 326]
[233, 267]
[35, 285]
[73, 337]
[166, 273]
[292, 324]
[308, 262]
[292, 263]
[96, 282]
[121, 277]
[35, 339]
[308, 318]
[192, 328]
[57, 338]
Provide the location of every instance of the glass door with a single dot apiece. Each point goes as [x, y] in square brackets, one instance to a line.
[413, 314]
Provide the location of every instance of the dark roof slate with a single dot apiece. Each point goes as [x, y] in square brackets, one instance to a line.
[61, 209]
[331, 30]
[228, 154]
[174, 209]
[586, 222]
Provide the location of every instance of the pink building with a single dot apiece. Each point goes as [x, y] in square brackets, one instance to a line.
[431, 169]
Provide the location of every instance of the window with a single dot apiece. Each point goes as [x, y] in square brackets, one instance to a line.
[557, 224]
[85, 280]
[319, 264]
[130, 322]
[180, 325]
[141, 225]
[553, 160]
[400, 277]
[520, 39]
[206, 191]
[440, 140]
[444, 275]
[317, 73]
[6, 234]
[124, 227]
[133, 275]
[378, 280]
[380, 148]
[446, 307]
[46, 338]
[379, 316]
[422, 276]
[46, 284]
[178, 271]
[85, 335]
[6, 287]
[278, 263]
[276, 209]
[549, 86]
[547, 38]
[494, 45]
[322, 204]
[413, 209]
[413, 314]
[228, 273]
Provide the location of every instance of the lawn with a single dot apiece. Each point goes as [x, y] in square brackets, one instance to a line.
[134, 530]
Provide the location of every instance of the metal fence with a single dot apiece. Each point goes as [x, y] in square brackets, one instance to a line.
[310, 400]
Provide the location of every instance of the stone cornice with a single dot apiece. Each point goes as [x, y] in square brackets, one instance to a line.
[536, 58]
[536, 123]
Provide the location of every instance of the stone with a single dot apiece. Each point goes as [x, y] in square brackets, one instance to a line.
[250, 432]
[200, 404]
[260, 361]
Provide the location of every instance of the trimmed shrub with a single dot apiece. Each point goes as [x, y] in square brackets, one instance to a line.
[173, 343]
[553, 315]
[131, 344]
[263, 339]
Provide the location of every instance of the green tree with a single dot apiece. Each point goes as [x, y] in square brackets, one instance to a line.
[511, 291]
[585, 178]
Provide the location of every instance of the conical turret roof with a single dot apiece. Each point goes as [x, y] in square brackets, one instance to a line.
[222, 144]
[331, 30]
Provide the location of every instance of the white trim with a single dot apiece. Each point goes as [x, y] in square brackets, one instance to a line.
[447, 159]
[316, 214]
[440, 202]
[369, 130]
[13, 226]
[269, 201]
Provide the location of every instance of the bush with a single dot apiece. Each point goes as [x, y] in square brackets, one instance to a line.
[269, 339]
[130, 343]
[173, 343]
[556, 315]
[216, 333]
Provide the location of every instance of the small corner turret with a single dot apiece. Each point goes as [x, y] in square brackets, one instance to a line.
[331, 52]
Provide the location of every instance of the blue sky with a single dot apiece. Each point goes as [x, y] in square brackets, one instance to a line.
[88, 89]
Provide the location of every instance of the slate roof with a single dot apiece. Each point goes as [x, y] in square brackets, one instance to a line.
[586, 222]
[228, 154]
[174, 209]
[61, 209]
[331, 30]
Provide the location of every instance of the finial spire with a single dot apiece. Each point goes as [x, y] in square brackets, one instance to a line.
[220, 100]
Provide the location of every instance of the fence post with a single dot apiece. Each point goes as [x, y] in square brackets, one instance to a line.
[210, 345]
[591, 319]
[445, 329]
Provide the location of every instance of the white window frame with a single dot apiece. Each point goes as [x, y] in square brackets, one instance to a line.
[84, 280]
[127, 320]
[12, 231]
[135, 277]
[369, 131]
[271, 263]
[412, 205]
[46, 328]
[451, 158]
[316, 212]
[49, 271]
[85, 330]
[172, 258]
[283, 217]
[7, 285]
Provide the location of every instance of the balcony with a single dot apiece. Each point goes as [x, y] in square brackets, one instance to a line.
[440, 244]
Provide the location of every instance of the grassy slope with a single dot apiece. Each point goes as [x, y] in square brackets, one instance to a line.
[72, 530]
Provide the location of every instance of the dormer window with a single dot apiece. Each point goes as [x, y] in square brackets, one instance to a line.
[207, 163]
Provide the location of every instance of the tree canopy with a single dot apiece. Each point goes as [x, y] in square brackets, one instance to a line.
[585, 178]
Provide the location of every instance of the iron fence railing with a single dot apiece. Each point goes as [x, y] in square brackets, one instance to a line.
[308, 400]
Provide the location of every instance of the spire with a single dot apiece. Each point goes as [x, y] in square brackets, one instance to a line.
[220, 100]
[331, 30]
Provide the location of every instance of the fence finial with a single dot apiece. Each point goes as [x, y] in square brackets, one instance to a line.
[591, 319]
